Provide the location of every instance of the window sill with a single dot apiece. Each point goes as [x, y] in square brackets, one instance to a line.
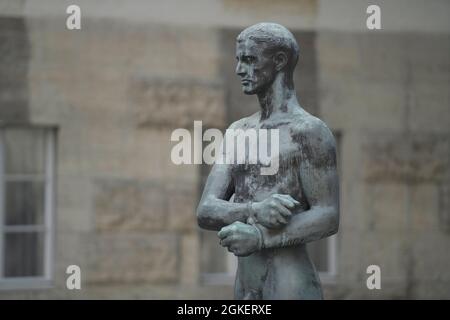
[327, 278]
[25, 283]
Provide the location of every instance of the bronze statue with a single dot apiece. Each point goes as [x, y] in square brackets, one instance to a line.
[273, 217]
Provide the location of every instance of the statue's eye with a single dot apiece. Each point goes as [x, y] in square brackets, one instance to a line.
[248, 59]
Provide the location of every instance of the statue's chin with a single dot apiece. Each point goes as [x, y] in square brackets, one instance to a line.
[254, 89]
[248, 91]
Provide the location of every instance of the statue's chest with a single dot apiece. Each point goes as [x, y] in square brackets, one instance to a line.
[266, 149]
[249, 183]
[275, 171]
[281, 173]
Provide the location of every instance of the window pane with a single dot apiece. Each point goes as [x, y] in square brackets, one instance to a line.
[24, 254]
[24, 151]
[24, 202]
[318, 251]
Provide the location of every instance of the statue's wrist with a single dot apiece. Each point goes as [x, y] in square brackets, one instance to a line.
[251, 213]
[261, 244]
[269, 237]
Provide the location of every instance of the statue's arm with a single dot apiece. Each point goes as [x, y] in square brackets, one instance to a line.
[318, 174]
[214, 210]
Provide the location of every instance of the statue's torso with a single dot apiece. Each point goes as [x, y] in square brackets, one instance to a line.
[251, 185]
[284, 273]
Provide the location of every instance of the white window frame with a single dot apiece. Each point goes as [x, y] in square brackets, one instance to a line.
[38, 282]
[329, 276]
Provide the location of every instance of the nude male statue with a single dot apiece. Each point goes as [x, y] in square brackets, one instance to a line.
[273, 217]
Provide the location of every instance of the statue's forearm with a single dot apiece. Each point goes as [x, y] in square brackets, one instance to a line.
[317, 223]
[213, 214]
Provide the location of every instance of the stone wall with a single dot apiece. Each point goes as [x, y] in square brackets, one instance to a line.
[125, 213]
[116, 89]
[388, 96]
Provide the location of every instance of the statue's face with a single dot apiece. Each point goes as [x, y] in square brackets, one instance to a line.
[254, 66]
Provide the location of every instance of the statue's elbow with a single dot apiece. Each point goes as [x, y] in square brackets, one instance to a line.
[203, 217]
[333, 217]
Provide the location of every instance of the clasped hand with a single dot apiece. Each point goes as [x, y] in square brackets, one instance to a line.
[244, 239]
[275, 211]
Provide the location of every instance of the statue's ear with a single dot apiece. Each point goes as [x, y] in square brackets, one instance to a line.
[280, 59]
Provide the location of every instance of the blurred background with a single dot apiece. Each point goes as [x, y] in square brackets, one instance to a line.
[85, 123]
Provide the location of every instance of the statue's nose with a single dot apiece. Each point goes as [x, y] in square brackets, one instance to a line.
[239, 70]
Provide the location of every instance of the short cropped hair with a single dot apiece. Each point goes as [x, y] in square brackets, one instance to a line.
[276, 37]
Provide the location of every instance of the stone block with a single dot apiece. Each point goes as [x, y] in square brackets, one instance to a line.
[406, 158]
[388, 250]
[182, 205]
[436, 290]
[350, 250]
[444, 207]
[429, 107]
[338, 54]
[353, 104]
[424, 207]
[361, 81]
[429, 58]
[352, 187]
[430, 256]
[190, 259]
[384, 57]
[123, 258]
[385, 206]
[177, 103]
[258, 9]
[130, 152]
[129, 205]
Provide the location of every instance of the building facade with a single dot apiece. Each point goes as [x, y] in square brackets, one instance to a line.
[85, 142]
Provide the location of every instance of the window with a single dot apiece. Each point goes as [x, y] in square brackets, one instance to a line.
[323, 254]
[26, 206]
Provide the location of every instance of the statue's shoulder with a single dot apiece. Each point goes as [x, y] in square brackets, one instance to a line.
[245, 123]
[308, 130]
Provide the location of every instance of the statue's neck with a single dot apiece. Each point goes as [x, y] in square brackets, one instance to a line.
[278, 98]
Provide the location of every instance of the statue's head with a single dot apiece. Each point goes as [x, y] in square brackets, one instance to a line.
[263, 51]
